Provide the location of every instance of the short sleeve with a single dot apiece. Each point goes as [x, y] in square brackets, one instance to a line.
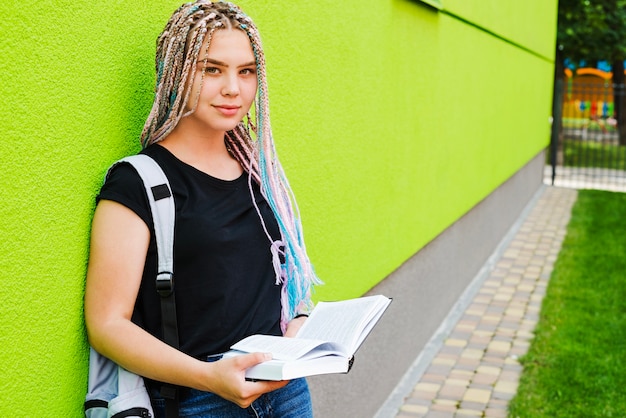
[123, 185]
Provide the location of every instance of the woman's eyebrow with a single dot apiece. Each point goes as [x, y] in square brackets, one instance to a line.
[223, 64]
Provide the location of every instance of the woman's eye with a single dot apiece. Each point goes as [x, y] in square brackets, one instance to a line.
[211, 70]
[248, 71]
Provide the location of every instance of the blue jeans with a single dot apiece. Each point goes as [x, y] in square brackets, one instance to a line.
[291, 401]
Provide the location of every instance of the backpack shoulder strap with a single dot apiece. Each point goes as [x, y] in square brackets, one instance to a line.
[163, 210]
[163, 214]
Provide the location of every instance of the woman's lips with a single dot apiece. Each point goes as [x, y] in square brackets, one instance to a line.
[227, 110]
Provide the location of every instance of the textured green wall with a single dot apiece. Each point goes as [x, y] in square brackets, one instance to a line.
[76, 80]
[392, 120]
[530, 24]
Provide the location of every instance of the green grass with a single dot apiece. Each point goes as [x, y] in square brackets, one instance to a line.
[576, 364]
[577, 153]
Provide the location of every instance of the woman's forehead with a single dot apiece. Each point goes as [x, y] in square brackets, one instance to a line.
[231, 43]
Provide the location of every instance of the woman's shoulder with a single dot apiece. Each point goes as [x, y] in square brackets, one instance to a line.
[155, 151]
[124, 185]
[171, 165]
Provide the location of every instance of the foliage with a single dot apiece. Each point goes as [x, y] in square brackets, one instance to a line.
[592, 30]
[575, 366]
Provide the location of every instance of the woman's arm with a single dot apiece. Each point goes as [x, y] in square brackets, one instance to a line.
[294, 326]
[119, 243]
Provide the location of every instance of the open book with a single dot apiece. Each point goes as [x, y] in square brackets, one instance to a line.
[325, 344]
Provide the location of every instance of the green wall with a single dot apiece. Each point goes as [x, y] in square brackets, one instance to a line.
[392, 121]
[530, 24]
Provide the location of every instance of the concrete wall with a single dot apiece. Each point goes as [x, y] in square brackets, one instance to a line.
[393, 121]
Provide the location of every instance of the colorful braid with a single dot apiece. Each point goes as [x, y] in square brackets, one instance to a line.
[178, 48]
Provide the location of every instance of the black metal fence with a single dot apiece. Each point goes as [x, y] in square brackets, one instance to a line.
[587, 148]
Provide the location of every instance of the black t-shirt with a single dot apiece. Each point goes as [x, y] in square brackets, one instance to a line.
[224, 280]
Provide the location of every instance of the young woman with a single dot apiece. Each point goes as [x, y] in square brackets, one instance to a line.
[240, 265]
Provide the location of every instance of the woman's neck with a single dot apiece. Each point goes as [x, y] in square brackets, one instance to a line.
[207, 153]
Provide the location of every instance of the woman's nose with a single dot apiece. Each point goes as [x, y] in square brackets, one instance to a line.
[231, 86]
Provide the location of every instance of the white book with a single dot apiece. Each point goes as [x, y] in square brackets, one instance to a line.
[326, 343]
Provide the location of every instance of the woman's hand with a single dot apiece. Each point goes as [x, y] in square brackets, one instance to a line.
[232, 384]
[227, 379]
[294, 326]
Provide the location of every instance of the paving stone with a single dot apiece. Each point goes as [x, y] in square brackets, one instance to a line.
[482, 299]
[433, 378]
[500, 336]
[427, 387]
[490, 370]
[421, 395]
[519, 350]
[461, 374]
[477, 395]
[483, 333]
[467, 325]
[513, 358]
[479, 343]
[495, 413]
[422, 402]
[446, 402]
[525, 334]
[451, 392]
[468, 413]
[439, 369]
[450, 350]
[497, 404]
[417, 409]
[458, 334]
[505, 332]
[502, 297]
[503, 395]
[444, 408]
[516, 313]
[491, 327]
[455, 343]
[505, 387]
[444, 361]
[471, 353]
[440, 414]
[484, 379]
[504, 346]
[458, 382]
[468, 366]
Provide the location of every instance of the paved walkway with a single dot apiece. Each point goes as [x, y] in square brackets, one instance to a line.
[476, 370]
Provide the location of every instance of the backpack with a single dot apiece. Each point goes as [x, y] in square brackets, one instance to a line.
[114, 392]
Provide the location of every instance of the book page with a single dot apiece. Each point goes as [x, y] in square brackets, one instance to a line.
[346, 323]
[283, 348]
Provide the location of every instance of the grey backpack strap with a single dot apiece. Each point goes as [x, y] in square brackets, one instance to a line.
[163, 214]
[112, 390]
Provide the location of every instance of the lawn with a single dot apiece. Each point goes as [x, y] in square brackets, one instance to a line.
[588, 153]
[576, 364]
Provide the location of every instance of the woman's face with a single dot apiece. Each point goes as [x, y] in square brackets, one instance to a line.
[229, 81]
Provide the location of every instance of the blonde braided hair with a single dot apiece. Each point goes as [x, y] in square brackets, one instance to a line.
[178, 48]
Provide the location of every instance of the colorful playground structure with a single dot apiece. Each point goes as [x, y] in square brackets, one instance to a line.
[588, 100]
